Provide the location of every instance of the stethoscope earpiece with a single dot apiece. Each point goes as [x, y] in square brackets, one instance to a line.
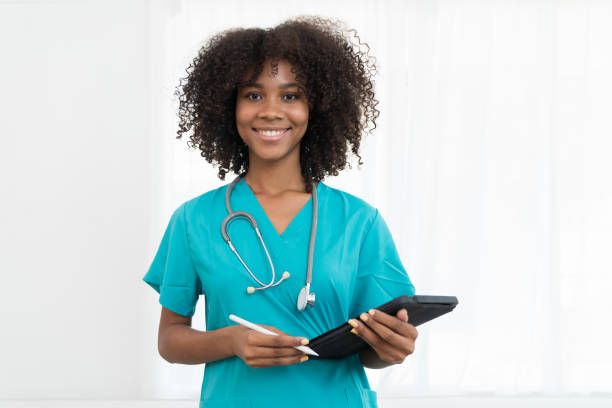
[251, 290]
[305, 298]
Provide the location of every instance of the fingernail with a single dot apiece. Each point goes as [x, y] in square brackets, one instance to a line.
[304, 358]
[354, 331]
[305, 341]
[371, 312]
[364, 317]
[353, 323]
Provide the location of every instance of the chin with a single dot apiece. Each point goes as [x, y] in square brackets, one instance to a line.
[269, 154]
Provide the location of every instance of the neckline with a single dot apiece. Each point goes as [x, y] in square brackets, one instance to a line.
[294, 226]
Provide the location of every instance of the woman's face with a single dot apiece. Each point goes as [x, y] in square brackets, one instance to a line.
[272, 113]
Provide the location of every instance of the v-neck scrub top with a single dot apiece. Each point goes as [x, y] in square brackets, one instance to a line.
[356, 267]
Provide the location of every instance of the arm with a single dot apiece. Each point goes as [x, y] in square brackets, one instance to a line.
[179, 343]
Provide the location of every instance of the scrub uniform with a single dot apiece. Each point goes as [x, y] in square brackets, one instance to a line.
[356, 267]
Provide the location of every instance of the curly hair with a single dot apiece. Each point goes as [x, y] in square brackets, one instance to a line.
[335, 73]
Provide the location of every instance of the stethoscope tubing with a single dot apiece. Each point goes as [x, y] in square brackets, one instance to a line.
[243, 214]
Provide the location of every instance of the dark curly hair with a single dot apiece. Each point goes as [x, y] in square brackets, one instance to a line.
[333, 70]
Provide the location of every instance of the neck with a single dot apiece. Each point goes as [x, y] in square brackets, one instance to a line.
[274, 177]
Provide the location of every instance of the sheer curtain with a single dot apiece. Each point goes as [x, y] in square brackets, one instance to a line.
[489, 162]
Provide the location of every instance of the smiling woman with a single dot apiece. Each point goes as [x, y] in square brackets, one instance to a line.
[281, 108]
[310, 62]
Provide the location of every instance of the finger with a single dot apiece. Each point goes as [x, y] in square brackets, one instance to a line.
[386, 333]
[302, 341]
[269, 352]
[274, 329]
[386, 351]
[269, 362]
[402, 314]
[268, 340]
[397, 325]
[382, 348]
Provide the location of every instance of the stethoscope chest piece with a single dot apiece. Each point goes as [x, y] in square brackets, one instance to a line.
[305, 297]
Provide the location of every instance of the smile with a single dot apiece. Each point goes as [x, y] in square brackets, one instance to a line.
[271, 135]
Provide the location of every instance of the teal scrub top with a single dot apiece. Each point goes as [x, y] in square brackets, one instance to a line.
[356, 267]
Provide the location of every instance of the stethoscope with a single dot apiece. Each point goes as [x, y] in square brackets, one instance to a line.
[305, 297]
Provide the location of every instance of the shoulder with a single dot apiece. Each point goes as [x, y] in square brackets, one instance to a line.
[348, 205]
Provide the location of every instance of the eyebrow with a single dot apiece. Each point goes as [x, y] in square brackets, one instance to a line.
[260, 86]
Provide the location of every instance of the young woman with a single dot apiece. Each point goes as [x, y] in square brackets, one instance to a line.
[279, 108]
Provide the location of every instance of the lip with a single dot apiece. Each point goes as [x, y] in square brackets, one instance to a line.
[275, 138]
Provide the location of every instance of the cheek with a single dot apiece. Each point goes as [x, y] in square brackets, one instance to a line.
[242, 123]
[239, 117]
[242, 114]
[300, 115]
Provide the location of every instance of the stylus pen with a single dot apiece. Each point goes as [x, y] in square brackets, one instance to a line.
[260, 329]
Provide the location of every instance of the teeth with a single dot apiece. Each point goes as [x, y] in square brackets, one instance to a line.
[271, 132]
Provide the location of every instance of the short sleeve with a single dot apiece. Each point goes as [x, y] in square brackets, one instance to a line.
[172, 273]
[381, 276]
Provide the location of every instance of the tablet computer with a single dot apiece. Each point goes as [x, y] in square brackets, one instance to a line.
[340, 342]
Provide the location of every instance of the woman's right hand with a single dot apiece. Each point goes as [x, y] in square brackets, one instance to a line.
[264, 350]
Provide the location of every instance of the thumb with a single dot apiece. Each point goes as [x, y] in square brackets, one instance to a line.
[402, 314]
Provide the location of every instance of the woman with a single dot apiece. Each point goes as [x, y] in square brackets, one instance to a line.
[279, 107]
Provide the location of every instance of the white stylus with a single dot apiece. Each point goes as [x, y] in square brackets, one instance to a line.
[260, 329]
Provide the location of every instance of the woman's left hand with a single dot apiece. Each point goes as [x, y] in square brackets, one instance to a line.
[391, 337]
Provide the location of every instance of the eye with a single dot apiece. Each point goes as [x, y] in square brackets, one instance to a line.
[294, 96]
[248, 95]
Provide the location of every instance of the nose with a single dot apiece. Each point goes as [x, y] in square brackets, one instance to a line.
[270, 109]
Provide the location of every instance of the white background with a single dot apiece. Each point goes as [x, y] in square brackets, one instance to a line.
[490, 162]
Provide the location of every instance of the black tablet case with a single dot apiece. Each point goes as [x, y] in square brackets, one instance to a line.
[340, 342]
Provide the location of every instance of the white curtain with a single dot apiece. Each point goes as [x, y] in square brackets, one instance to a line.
[490, 163]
